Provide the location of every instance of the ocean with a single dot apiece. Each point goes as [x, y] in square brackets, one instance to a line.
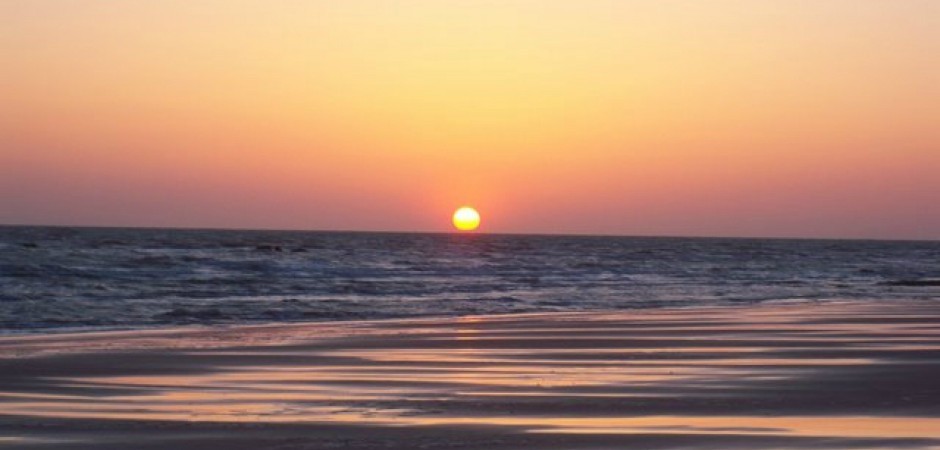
[92, 278]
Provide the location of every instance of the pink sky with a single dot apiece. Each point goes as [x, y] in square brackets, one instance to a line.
[725, 118]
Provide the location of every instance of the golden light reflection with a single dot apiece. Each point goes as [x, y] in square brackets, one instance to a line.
[467, 329]
[377, 374]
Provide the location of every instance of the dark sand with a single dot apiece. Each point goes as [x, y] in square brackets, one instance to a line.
[822, 376]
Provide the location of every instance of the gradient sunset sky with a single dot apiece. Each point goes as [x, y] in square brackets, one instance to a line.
[708, 118]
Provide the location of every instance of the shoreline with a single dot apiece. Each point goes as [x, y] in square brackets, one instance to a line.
[852, 374]
[20, 339]
[16, 333]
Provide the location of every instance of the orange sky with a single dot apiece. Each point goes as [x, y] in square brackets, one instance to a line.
[726, 118]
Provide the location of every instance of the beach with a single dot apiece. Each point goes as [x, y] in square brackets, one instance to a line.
[834, 375]
[477, 225]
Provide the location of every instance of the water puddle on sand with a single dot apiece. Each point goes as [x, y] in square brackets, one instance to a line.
[262, 412]
[848, 426]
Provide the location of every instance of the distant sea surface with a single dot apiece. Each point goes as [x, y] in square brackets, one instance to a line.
[67, 278]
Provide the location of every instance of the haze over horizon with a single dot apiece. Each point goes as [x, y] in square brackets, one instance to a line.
[730, 118]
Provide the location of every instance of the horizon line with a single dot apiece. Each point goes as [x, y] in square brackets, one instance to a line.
[486, 233]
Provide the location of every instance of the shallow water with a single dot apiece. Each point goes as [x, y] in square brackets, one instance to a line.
[774, 376]
[55, 278]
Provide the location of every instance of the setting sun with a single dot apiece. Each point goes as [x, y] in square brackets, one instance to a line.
[466, 219]
[664, 183]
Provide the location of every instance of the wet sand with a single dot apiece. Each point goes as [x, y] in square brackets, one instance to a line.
[822, 376]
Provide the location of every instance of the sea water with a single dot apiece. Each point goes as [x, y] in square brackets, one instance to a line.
[67, 278]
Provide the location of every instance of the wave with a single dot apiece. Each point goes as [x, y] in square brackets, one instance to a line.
[128, 278]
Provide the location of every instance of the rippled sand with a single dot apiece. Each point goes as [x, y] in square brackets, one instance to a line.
[834, 376]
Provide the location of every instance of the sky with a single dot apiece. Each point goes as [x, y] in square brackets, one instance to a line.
[787, 118]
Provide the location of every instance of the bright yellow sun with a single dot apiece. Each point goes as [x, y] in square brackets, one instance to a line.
[466, 219]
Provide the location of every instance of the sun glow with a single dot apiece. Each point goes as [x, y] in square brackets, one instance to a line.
[466, 219]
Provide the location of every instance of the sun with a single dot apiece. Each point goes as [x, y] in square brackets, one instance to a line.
[466, 219]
